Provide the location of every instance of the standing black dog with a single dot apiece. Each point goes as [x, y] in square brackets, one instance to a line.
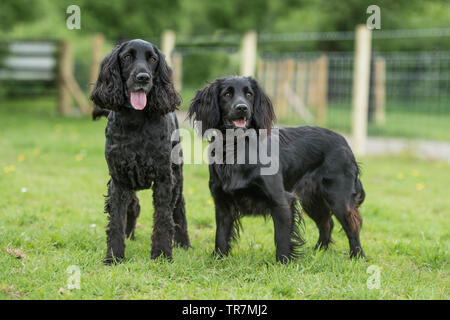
[316, 166]
[135, 85]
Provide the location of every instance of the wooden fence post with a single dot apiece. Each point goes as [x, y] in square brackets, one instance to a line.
[65, 67]
[286, 72]
[322, 90]
[96, 58]
[311, 78]
[67, 85]
[361, 79]
[177, 68]
[301, 80]
[280, 79]
[261, 72]
[168, 45]
[271, 69]
[248, 54]
[380, 90]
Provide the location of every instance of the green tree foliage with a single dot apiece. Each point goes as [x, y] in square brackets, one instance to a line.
[13, 12]
[129, 19]
[148, 18]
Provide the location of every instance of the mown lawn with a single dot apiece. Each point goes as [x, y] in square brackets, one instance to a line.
[52, 180]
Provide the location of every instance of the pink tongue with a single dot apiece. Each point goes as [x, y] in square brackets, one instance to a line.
[138, 99]
[240, 123]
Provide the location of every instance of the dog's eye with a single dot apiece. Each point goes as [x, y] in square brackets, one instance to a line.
[248, 95]
[152, 59]
[127, 57]
[227, 95]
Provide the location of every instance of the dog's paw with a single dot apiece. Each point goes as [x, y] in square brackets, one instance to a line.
[217, 255]
[112, 260]
[357, 254]
[158, 253]
[183, 244]
[321, 246]
[283, 259]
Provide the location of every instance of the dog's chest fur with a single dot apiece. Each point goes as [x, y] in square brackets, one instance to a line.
[136, 146]
[241, 185]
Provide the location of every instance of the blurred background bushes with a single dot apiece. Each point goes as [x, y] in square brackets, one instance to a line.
[146, 19]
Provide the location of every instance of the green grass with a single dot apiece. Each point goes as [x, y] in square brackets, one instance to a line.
[59, 222]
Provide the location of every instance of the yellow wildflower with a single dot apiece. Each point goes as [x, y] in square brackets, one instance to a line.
[420, 186]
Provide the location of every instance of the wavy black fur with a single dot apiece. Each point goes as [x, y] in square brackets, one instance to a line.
[138, 148]
[316, 168]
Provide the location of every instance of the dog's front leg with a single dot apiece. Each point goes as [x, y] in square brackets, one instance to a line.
[163, 224]
[116, 206]
[282, 221]
[226, 228]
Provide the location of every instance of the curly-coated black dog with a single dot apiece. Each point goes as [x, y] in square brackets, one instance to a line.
[135, 89]
[315, 165]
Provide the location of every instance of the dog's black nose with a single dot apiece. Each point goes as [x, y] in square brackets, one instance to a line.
[241, 107]
[143, 77]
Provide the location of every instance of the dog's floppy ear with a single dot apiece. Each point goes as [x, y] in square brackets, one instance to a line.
[162, 97]
[263, 113]
[109, 89]
[205, 107]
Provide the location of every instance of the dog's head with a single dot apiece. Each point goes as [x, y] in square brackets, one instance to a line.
[135, 72]
[230, 103]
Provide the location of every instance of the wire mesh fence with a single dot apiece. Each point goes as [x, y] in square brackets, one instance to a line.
[409, 91]
[417, 95]
[194, 66]
[200, 64]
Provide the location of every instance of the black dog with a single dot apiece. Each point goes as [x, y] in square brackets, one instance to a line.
[316, 166]
[135, 85]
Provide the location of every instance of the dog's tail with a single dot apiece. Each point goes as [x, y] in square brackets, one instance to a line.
[360, 194]
[97, 113]
[353, 217]
[298, 229]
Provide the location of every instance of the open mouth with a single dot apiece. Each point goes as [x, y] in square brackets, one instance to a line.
[240, 123]
[138, 99]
